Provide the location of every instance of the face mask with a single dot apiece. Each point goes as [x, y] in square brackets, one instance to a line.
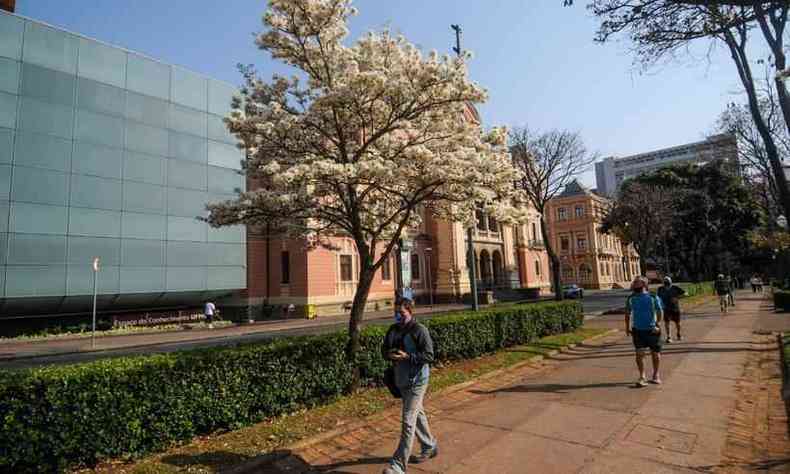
[398, 317]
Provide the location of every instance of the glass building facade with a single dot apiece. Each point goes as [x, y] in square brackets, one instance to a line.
[107, 153]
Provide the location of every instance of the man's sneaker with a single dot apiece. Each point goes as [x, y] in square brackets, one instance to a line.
[680, 338]
[425, 455]
[641, 382]
[669, 340]
[656, 380]
[390, 470]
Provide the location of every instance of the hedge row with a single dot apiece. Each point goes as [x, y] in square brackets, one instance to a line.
[58, 417]
[782, 300]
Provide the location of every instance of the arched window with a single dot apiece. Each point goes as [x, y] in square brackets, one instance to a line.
[585, 273]
[537, 265]
[534, 232]
[567, 273]
[415, 266]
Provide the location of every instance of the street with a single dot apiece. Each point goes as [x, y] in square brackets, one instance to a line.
[16, 355]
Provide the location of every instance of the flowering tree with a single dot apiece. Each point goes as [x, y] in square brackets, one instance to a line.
[373, 132]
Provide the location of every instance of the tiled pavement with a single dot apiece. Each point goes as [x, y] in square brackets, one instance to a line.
[578, 412]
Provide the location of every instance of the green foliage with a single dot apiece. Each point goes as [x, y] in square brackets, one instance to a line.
[696, 289]
[57, 417]
[782, 300]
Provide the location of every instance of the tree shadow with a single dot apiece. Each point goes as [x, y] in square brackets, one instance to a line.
[553, 388]
[276, 462]
[336, 468]
[768, 465]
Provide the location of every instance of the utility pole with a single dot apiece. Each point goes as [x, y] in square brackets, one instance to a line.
[472, 264]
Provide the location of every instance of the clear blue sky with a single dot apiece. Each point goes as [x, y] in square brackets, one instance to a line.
[536, 58]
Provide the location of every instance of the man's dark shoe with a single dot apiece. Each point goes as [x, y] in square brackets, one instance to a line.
[425, 455]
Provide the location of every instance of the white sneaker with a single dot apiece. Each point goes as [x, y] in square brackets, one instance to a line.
[642, 382]
[669, 340]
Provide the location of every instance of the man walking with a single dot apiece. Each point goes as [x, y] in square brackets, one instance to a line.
[208, 312]
[643, 314]
[409, 345]
[670, 299]
[722, 287]
[731, 293]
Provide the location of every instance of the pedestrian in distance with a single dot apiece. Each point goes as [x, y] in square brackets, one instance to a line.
[731, 294]
[722, 287]
[208, 311]
[670, 299]
[409, 346]
[753, 282]
[643, 315]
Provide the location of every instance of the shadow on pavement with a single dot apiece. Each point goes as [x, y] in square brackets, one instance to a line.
[553, 388]
[202, 460]
[334, 468]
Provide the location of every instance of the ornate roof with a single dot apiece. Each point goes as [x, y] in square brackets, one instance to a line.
[574, 188]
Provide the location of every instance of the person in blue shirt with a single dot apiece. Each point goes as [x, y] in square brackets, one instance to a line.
[643, 315]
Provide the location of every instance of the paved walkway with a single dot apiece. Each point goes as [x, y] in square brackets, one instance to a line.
[579, 412]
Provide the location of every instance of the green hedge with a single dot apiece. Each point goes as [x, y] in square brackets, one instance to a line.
[57, 417]
[782, 300]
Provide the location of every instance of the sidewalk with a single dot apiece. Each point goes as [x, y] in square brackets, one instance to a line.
[579, 412]
[18, 354]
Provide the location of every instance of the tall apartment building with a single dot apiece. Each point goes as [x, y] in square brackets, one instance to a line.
[588, 257]
[107, 153]
[611, 172]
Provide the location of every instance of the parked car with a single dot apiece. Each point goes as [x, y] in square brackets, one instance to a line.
[572, 291]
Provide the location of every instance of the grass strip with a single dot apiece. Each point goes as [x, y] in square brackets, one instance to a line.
[223, 450]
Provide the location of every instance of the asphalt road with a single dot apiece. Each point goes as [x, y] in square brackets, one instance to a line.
[594, 302]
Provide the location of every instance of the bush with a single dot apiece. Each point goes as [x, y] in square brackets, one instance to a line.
[695, 289]
[57, 417]
[782, 300]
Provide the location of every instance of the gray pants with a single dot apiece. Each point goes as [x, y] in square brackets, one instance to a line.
[413, 421]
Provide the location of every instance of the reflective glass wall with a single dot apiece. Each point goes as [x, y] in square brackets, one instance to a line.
[107, 153]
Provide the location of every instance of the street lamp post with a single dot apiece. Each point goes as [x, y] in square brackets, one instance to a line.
[95, 286]
[428, 270]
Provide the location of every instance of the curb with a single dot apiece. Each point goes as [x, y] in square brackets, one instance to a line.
[283, 452]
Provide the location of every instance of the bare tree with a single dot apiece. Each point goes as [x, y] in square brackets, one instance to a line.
[548, 162]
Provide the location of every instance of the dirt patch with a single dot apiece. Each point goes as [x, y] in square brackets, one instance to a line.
[759, 435]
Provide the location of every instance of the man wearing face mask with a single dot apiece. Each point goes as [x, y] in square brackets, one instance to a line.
[409, 346]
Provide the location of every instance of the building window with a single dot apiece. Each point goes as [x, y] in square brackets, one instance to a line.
[534, 232]
[481, 218]
[562, 214]
[581, 243]
[579, 211]
[537, 267]
[346, 268]
[564, 244]
[386, 274]
[415, 266]
[285, 267]
[493, 226]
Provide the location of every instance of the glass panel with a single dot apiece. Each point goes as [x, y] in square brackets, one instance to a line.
[98, 97]
[187, 120]
[99, 128]
[96, 193]
[227, 156]
[40, 186]
[35, 281]
[189, 89]
[41, 117]
[217, 130]
[102, 63]
[185, 228]
[9, 76]
[50, 48]
[140, 197]
[27, 249]
[146, 139]
[186, 278]
[3, 259]
[226, 278]
[11, 29]
[48, 85]
[6, 145]
[143, 279]
[224, 180]
[3, 217]
[94, 222]
[38, 218]
[226, 254]
[186, 254]
[43, 151]
[146, 168]
[186, 203]
[148, 77]
[146, 253]
[219, 97]
[188, 147]
[83, 249]
[7, 110]
[96, 160]
[5, 182]
[144, 226]
[80, 280]
[186, 175]
[236, 233]
[148, 110]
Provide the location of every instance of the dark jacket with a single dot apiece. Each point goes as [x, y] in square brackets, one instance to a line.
[414, 339]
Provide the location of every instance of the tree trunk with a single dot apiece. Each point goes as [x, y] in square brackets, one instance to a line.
[553, 259]
[366, 274]
[642, 265]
